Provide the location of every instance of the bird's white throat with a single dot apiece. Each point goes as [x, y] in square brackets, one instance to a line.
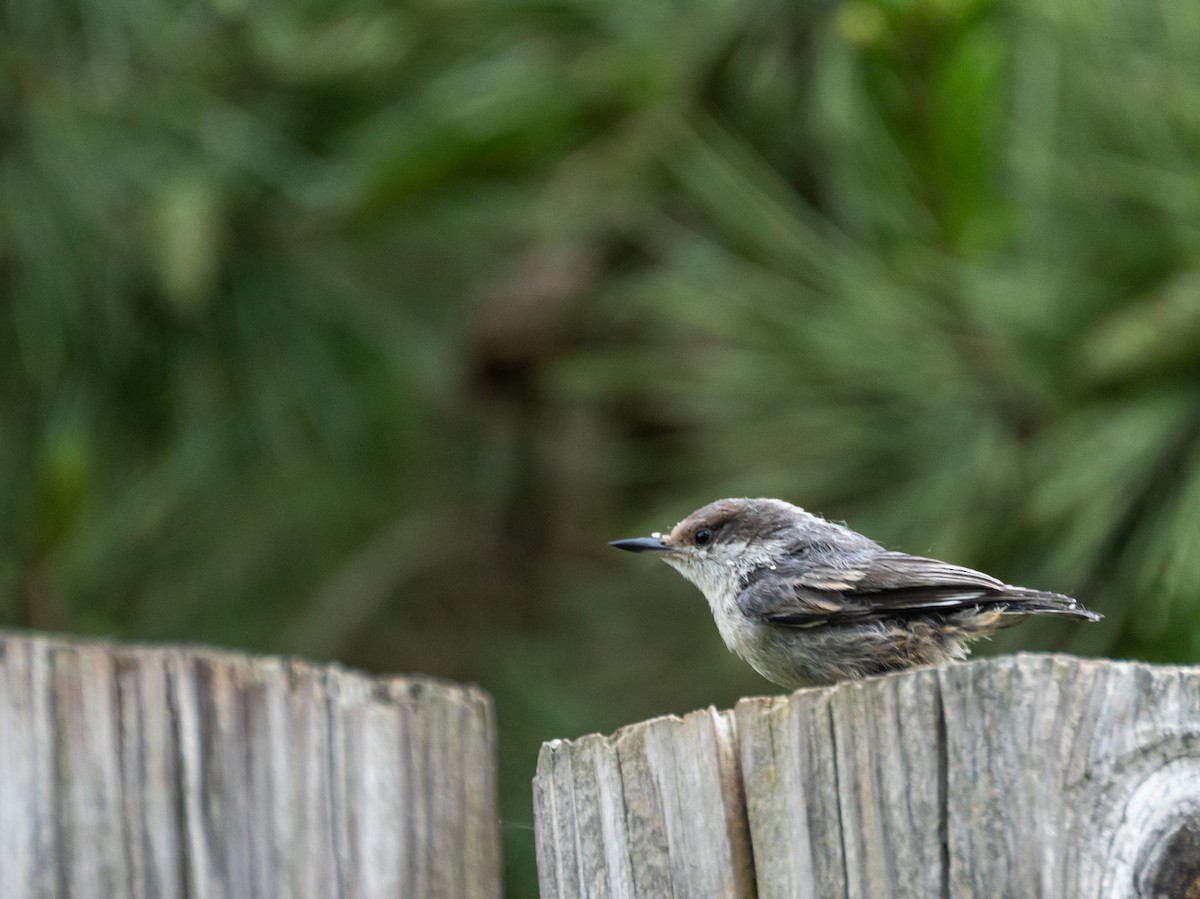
[718, 573]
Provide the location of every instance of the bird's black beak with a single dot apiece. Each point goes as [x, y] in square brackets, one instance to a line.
[642, 545]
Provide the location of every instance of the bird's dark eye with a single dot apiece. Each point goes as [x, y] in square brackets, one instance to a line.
[702, 536]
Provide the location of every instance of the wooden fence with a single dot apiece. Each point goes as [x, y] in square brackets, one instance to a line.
[1023, 777]
[180, 772]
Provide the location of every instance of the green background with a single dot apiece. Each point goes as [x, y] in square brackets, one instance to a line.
[355, 329]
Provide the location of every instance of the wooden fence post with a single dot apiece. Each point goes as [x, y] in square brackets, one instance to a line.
[135, 771]
[1022, 777]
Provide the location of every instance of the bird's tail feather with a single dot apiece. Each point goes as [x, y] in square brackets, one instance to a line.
[1036, 602]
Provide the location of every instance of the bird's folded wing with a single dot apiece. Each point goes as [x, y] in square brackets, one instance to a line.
[897, 571]
[887, 585]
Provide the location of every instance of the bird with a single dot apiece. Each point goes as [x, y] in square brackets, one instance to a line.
[809, 602]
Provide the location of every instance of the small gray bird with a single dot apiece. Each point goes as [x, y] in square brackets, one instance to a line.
[806, 601]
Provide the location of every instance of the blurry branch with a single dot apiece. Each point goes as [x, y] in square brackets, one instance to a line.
[523, 326]
[40, 599]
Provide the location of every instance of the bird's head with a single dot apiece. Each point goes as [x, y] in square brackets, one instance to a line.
[719, 543]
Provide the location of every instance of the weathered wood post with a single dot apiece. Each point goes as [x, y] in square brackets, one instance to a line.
[132, 771]
[1022, 777]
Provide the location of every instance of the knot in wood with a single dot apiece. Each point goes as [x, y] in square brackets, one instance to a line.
[1170, 868]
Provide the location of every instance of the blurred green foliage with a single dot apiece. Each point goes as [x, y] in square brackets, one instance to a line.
[354, 329]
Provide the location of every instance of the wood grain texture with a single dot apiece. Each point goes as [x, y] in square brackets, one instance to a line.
[1023, 777]
[654, 811]
[129, 771]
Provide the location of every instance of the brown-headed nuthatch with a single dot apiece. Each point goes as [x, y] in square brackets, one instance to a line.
[806, 601]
